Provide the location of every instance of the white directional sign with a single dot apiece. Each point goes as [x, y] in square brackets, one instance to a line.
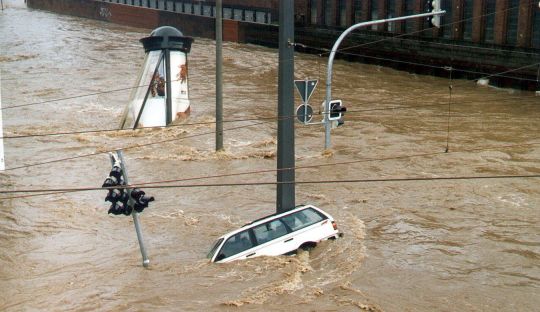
[306, 88]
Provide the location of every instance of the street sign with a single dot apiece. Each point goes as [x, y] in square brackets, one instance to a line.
[304, 113]
[306, 88]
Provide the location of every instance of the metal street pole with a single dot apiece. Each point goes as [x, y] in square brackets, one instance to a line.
[285, 141]
[219, 75]
[134, 214]
[169, 87]
[327, 122]
[2, 162]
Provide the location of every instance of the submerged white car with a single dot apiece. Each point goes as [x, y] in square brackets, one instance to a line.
[278, 234]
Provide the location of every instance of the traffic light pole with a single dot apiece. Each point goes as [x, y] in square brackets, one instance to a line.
[134, 214]
[327, 122]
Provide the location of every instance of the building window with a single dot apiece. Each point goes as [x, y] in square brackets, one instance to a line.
[374, 12]
[511, 28]
[343, 13]
[328, 16]
[446, 19]
[358, 11]
[490, 20]
[536, 30]
[391, 12]
[409, 10]
[313, 8]
[467, 19]
[238, 14]
[227, 13]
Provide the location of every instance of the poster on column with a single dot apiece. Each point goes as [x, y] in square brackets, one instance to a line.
[179, 86]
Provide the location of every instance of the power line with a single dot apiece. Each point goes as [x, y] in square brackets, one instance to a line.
[430, 28]
[273, 118]
[126, 147]
[321, 49]
[380, 180]
[424, 65]
[124, 130]
[74, 97]
[477, 149]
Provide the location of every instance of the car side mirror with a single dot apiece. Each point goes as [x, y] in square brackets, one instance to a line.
[220, 257]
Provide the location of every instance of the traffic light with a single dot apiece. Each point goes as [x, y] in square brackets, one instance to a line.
[123, 200]
[118, 208]
[434, 6]
[117, 197]
[140, 200]
[336, 110]
[115, 177]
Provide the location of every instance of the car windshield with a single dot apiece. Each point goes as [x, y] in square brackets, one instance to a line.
[214, 247]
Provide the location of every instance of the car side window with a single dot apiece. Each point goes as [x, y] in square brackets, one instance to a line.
[269, 231]
[302, 219]
[235, 244]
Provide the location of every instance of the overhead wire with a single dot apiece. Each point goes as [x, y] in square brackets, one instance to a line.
[421, 64]
[126, 147]
[430, 28]
[379, 180]
[90, 131]
[122, 89]
[256, 66]
[349, 112]
[364, 160]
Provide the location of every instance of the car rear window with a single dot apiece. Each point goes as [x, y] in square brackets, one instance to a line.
[235, 244]
[269, 231]
[302, 219]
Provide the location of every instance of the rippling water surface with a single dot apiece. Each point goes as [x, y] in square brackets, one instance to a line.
[456, 245]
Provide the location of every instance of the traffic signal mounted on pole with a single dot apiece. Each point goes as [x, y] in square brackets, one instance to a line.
[123, 200]
[336, 110]
[434, 6]
[140, 200]
[118, 197]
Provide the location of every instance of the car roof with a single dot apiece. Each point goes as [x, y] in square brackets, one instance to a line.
[271, 217]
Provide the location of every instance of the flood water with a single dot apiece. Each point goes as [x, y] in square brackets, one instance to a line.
[444, 245]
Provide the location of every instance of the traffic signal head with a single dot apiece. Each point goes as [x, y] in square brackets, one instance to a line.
[336, 110]
[115, 177]
[119, 208]
[115, 195]
[434, 6]
[140, 199]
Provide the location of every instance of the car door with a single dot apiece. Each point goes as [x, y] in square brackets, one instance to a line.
[273, 239]
[237, 246]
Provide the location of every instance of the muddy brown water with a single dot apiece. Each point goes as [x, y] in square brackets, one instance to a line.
[460, 245]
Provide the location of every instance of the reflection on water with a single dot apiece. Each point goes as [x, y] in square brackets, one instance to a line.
[449, 245]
